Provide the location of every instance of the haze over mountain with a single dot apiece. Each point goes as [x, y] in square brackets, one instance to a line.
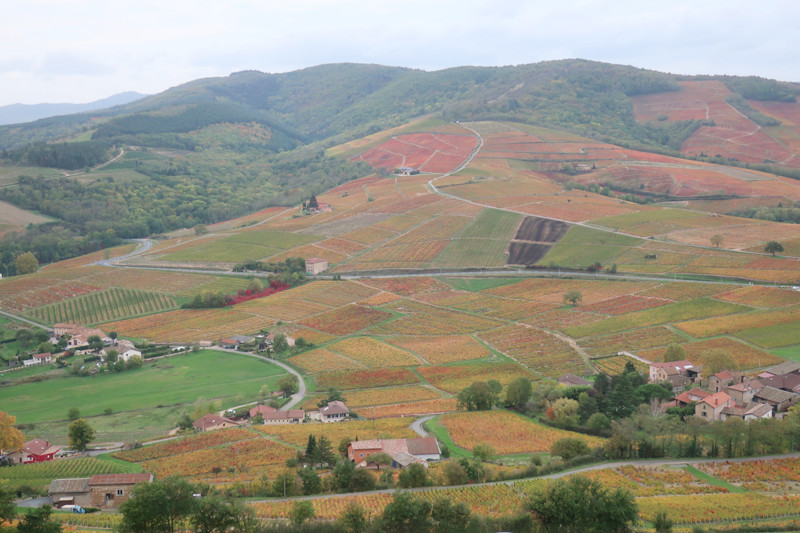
[18, 113]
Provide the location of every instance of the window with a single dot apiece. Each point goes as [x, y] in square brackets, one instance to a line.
[119, 492]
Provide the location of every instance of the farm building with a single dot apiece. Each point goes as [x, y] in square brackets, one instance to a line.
[316, 265]
[335, 411]
[34, 451]
[38, 359]
[293, 416]
[571, 380]
[679, 373]
[262, 410]
[710, 407]
[210, 422]
[104, 491]
[423, 449]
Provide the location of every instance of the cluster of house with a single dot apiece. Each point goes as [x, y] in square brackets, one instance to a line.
[730, 394]
[261, 341]
[335, 411]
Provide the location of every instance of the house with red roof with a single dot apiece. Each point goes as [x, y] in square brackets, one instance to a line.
[710, 408]
[212, 421]
[104, 491]
[335, 411]
[34, 451]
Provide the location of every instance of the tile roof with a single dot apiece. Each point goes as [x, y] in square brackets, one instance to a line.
[119, 479]
[716, 399]
[771, 394]
[80, 484]
[334, 408]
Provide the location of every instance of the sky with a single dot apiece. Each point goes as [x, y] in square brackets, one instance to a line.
[76, 51]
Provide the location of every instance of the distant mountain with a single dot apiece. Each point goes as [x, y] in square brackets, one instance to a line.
[17, 113]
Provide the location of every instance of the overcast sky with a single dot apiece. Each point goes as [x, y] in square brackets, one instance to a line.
[83, 50]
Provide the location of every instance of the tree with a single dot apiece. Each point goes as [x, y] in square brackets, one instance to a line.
[675, 352]
[217, 515]
[661, 523]
[483, 452]
[565, 412]
[73, 413]
[406, 514]
[598, 421]
[26, 263]
[477, 397]
[95, 342]
[312, 484]
[716, 360]
[454, 473]
[773, 247]
[301, 512]
[449, 518]
[573, 297]
[38, 521]
[580, 505]
[8, 505]
[112, 356]
[415, 475]
[361, 481]
[333, 395]
[518, 392]
[380, 459]
[717, 239]
[343, 473]
[288, 384]
[11, 438]
[353, 519]
[157, 507]
[80, 434]
[279, 343]
[569, 447]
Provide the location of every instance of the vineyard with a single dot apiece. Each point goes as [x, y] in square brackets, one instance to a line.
[104, 306]
[506, 432]
[40, 475]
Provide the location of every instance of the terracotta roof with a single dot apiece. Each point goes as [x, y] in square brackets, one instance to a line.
[372, 444]
[39, 447]
[211, 420]
[293, 414]
[406, 459]
[44, 355]
[746, 386]
[677, 365]
[723, 375]
[334, 408]
[423, 446]
[69, 485]
[262, 410]
[315, 260]
[759, 410]
[716, 399]
[119, 479]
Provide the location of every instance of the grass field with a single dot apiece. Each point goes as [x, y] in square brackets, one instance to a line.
[179, 380]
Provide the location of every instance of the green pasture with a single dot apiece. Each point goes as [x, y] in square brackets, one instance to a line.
[791, 353]
[178, 380]
[677, 312]
[223, 284]
[482, 242]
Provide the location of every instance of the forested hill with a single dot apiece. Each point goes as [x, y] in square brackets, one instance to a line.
[345, 101]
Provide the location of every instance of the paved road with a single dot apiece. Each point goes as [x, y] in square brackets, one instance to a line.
[647, 462]
[301, 389]
[417, 425]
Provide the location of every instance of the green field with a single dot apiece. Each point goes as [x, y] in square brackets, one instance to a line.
[772, 336]
[242, 246]
[179, 380]
[629, 220]
[482, 242]
[104, 306]
[582, 246]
